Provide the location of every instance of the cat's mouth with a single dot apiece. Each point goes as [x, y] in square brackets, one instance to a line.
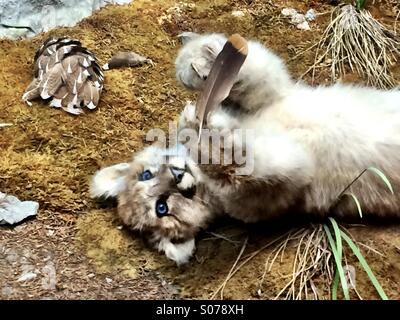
[184, 181]
[178, 174]
[189, 193]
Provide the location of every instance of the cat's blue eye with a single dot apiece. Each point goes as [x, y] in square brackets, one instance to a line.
[161, 208]
[145, 175]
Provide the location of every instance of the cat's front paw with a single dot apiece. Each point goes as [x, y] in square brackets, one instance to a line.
[188, 116]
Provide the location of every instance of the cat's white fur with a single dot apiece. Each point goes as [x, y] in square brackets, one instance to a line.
[323, 137]
[109, 182]
[317, 138]
[180, 253]
[299, 128]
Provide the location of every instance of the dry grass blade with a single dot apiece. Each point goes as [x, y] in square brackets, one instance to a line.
[279, 249]
[358, 243]
[370, 248]
[221, 236]
[395, 22]
[222, 287]
[355, 40]
[365, 265]
[312, 259]
[313, 267]
[233, 271]
[234, 265]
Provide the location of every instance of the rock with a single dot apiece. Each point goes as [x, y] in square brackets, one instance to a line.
[50, 233]
[25, 18]
[310, 15]
[350, 276]
[109, 280]
[27, 276]
[7, 291]
[288, 12]
[12, 256]
[238, 13]
[298, 19]
[303, 26]
[12, 210]
[49, 280]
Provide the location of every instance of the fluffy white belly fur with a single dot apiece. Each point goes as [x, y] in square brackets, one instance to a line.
[325, 137]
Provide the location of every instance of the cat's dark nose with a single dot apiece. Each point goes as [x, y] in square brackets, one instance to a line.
[178, 174]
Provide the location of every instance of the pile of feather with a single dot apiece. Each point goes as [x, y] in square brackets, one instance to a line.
[69, 75]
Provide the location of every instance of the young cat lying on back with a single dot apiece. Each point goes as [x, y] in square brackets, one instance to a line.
[308, 145]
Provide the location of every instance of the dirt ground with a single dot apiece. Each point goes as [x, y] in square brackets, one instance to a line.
[74, 249]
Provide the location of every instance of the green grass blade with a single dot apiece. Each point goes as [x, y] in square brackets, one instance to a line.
[357, 203]
[360, 4]
[381, 175]
[335, 285]
[339, 249]
[338, 237]
[365, 266]
[338, 262]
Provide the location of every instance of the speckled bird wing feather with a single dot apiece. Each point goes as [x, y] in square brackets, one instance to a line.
[66, 73]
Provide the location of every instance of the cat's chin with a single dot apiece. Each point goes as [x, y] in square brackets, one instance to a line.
[178, 252]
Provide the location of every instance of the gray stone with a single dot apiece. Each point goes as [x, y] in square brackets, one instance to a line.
[7, 291]
[25, 18]
[27, 276]
[12, 210]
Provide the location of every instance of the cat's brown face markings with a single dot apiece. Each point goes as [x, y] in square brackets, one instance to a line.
[153, 204]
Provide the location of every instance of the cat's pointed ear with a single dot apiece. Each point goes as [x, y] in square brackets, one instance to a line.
[213, 47]
[109, 182]
[185, 37]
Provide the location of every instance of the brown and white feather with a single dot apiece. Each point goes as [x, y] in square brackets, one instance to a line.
[66, 74]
